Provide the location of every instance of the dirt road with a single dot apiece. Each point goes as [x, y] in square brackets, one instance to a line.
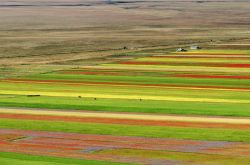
[155, 117]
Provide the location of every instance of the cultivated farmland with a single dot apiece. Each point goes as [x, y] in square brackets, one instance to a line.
[99, 82]
[163, 108]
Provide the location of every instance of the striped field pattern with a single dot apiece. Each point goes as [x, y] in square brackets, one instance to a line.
[165, 108]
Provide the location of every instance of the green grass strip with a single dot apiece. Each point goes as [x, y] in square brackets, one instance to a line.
[128, 130]
[144, 80]
[7, 158]
[124, 105]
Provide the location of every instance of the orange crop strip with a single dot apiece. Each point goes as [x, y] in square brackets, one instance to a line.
[237, 65]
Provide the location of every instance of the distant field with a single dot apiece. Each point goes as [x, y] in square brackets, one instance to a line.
[37, 32]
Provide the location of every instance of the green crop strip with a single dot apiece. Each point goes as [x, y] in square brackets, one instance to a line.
[126, 90]
[145, 80]
[7, 158]
[123, 105]
[128, 130]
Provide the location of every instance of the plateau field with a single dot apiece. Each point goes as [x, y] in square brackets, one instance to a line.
[100, 82]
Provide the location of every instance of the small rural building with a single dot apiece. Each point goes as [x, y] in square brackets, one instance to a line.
[181, 50]
[195, 47]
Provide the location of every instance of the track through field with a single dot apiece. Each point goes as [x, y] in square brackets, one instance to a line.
[135, 116]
